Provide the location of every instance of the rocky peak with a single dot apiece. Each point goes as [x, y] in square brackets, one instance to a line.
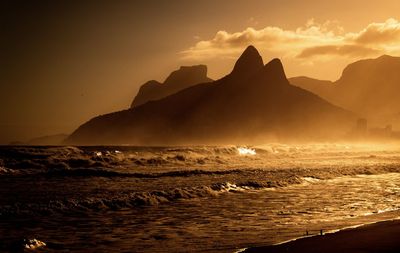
[248, 63]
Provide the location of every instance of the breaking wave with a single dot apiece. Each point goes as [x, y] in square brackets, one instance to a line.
[27, 160]
[309, 174]
[131, 200]
[255, 180]
[121, 161]
[222, 169]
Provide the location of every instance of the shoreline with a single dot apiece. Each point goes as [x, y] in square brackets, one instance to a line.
[382, 236]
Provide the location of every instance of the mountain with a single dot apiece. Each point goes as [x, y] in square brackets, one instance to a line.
[47, 140]
[253, 104]
[368, 87]
[322, 88]
[178, 80]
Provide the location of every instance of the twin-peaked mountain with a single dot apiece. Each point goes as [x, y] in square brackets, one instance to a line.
[368, 87]
[253, 104]
[178, 80]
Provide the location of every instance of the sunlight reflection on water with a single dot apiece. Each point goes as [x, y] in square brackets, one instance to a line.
[192, 198]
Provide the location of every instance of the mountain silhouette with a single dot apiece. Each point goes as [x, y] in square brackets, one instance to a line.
[249, 62]
[178, 80]
[322, 88]
[368, 87]
[253, 104]
[56, 139]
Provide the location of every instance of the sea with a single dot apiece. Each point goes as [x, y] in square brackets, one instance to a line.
[190, 199]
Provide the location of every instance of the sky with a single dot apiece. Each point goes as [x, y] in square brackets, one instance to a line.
[64, 62]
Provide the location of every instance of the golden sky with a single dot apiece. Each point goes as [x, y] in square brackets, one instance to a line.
[312, 49]
[63, 62]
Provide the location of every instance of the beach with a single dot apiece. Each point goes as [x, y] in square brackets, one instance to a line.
[377, 237]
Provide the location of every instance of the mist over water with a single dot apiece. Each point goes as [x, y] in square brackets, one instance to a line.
[142, 199]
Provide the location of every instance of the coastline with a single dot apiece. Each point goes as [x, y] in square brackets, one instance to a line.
[375, 237]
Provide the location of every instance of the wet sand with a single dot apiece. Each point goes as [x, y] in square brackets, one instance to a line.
[377, 237]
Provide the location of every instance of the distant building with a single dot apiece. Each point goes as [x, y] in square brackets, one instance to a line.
[359, 130]
[382, 132]
[361, 127]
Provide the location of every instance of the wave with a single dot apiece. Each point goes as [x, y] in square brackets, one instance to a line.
[258, 181]
[91, 172]
[131, 200]
[254, 180]
[25, 160]
[32, 160]
[309, 174]
[22, 245]
[101, 172]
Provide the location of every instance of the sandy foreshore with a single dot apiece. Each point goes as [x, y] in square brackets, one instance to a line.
[378, 237]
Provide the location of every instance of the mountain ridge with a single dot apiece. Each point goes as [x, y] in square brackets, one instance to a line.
[249, 106]
[177, 80]
[368, 87]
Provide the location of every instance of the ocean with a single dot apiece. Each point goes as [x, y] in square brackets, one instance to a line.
[190, 199]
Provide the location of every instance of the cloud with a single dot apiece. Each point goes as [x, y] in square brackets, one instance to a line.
[310, 41]
[341, 50]
[379, 33]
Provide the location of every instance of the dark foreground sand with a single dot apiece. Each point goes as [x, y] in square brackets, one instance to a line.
[378, 237]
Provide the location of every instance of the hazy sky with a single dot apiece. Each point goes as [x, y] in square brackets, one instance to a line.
[63, 62]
